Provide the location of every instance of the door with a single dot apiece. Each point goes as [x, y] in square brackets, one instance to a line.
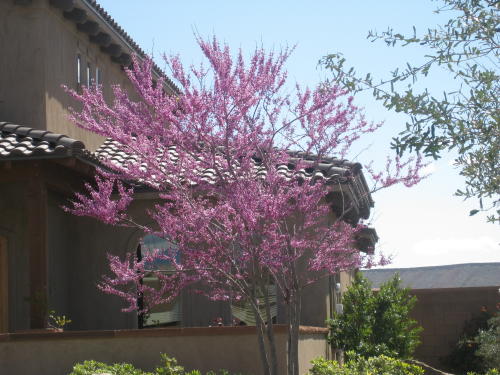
[4, 287]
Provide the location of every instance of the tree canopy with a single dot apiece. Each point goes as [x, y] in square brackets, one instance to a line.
[464, 118]
[236, 161]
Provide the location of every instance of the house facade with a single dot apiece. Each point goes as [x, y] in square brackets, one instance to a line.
[49, 259]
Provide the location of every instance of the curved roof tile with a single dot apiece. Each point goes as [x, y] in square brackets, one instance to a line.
[331, 170]
[18, 142]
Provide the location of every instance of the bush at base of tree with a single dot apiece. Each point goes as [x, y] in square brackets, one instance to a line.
[168, 366]
[376, 323]
[358, 365]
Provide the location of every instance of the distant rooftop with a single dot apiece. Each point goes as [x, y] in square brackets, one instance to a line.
[449, 276]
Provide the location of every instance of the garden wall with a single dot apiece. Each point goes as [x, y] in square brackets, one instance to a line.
[231, 348]
[443, 312]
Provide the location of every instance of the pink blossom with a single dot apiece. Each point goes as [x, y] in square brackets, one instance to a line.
[104, 202]
[240, 216]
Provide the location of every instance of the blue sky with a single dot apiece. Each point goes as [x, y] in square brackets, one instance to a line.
[422, 226]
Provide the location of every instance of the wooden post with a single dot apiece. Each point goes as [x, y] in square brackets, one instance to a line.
[36, 214]
[4, 286]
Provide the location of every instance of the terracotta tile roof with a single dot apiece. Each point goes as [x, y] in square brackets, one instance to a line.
[20, 142]
[332, 171]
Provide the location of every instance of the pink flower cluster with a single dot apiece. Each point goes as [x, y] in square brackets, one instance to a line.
[246, 225]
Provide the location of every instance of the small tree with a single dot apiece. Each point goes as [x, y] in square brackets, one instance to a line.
[244, 211]
[376, 323]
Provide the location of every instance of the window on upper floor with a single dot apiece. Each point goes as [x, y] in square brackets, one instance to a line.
[98, 76]
[89, 74]
[78, 70]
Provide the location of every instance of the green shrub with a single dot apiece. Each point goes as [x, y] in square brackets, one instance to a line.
[489, 372]
[358, 365]
[373, 324]
[168, 366]
[463, 356]
[489, 343]
[94, 367]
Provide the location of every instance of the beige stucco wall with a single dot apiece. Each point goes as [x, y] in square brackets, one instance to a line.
[77, 249]
[316, 303]
[22, 65]
[66, 42]
[77, 252]
[312, 346]
[13, 229]
[39, 48]
[231, 348]
[199, 311]
[346, 279]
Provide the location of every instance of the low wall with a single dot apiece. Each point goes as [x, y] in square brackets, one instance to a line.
[443, 312]
[231, 348]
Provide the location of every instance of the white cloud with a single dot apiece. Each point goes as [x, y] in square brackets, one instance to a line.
[436, 251]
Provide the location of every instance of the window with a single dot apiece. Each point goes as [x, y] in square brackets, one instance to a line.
[89, 75]
[335, 295]
[78, 70]
[165, 314]
[98, 76]
[243, 312]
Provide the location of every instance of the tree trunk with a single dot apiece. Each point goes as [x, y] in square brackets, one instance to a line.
[293, 334]
[260, 333]
[270, 334]
[262, 348]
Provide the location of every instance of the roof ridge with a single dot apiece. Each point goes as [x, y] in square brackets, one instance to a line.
[460, 275]
[433, 267]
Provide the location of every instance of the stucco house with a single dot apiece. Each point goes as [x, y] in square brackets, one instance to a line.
[50, 259]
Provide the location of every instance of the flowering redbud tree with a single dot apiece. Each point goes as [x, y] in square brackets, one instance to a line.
[229, 158]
